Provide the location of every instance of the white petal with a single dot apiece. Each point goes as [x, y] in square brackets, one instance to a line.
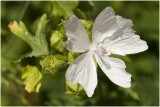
[104, 25]
[107, 23]
[124, 42]
[83, 71]
[78, 40]
[115, 70]
[123, 22]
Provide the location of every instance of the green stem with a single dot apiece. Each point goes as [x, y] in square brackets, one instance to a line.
[26, 5]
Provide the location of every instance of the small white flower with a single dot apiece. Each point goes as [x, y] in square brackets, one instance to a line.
[110, 34]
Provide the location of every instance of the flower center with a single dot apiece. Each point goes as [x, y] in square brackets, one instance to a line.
[99, 49]
[102, 50]
[93, 48]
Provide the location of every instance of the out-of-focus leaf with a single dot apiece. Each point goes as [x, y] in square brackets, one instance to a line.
[53, 62]
[32, 77]
[7, 64]
[38, 87]
[130, 92]
[4, 81]
[74, 89]
[37, 43]
[57, 90]
[63, 8]
[80, 14]
[86, 6]
[145, 65]
[147, 91]
[9, 70]
[68, 100]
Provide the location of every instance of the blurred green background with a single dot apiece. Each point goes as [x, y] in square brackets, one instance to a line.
[144, 66]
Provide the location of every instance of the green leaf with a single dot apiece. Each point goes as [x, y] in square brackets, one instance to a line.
[80, 14]
[53, 62]
[37, 43]
[38, 87]
[63, 8]
[72, 56]
[58, 37]
[74, 89]
[7, 64]
[32, 77]
[57, 41]
[88, 26]
[61, 28]
[4, 81]
[130, 92]
[148, 90]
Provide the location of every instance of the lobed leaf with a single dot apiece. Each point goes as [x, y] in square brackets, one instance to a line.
[32, 77]
[37, 42]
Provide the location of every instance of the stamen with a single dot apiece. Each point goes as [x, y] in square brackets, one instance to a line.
[102, 50]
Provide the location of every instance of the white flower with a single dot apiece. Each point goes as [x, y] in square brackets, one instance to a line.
[110, 34]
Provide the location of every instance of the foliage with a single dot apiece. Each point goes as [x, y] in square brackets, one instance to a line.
[74, 89]
[45, 72]
[63, 8]
[53, 62]
[32, 77]
[72, 56]
[88, 26]
[57, 41]
[58, 37]
[38, 42]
